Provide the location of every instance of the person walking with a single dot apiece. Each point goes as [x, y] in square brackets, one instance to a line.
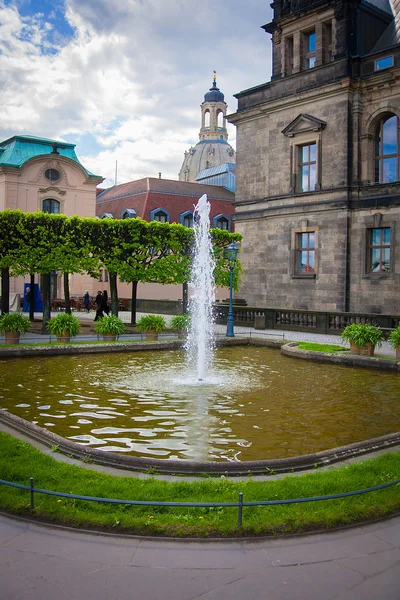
[99, 306]
[86, 301]
[105, 307]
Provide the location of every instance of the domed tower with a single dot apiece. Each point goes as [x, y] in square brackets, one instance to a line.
[213, 148]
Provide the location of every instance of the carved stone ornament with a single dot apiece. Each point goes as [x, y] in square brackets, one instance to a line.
[277, 36]
[52, 164]
[52, 188]
[230, 151]
[211, 150]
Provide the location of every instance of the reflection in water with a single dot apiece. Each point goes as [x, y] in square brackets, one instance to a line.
[253, 404]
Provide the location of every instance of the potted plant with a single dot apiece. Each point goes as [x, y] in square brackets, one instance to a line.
[64, 326]
[181, 324]
[109, 327]
[394, 340]
[13, 325]
[363, 338]
[151, 325]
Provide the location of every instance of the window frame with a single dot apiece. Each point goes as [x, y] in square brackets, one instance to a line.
[184, 215]
[154, 212]
[381, 247]
[379, 156]
[220, 217]
[51, 200]
[300, 165]
[296, 233]
[378, 60]
[309, 54]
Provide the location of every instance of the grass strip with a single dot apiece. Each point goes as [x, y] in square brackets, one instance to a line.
[330, 348]
[20, 461]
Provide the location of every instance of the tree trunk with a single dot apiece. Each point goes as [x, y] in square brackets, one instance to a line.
[32, 302]
[46, 301]
[114, 294]
[134, 298]
[5, 290]
[67, 298]
[185, 298]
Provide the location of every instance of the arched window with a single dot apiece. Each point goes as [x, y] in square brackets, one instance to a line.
[207, 118]
[387, 150]
[220, 119]
[222, 222]
[186, 219]
[51, 206]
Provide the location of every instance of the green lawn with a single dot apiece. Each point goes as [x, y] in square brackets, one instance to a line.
[20, 461]
[321, 347]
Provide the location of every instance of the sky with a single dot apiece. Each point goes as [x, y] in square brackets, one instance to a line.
[124, 79]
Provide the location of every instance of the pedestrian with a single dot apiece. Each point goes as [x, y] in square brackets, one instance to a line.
[106, 308]
[86, 301]
[99, 306]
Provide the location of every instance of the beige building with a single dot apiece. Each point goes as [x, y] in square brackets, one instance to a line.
[318, 173]
[40, 174]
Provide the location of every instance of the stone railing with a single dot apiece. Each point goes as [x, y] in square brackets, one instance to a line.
[301, 320]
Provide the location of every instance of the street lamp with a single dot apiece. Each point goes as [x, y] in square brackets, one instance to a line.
[230, 253]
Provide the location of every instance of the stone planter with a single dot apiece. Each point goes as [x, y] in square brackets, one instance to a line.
[64, 338]
[354, 349]
[12, 337]
[151, 336]
[367, 350]
[110, 337]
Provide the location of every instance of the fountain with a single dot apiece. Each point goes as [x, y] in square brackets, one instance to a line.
[210, 405]
[202, 294]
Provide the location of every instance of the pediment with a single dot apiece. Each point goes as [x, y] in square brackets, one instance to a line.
[303, 123]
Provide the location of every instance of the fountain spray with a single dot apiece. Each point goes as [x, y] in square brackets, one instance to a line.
[202, 292]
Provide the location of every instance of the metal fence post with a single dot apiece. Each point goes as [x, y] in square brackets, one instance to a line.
[240, 509]
[32, 497]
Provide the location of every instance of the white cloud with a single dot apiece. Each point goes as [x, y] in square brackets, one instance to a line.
[132, 75]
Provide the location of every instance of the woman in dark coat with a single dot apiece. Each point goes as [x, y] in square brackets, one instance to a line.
[99, 306]
[86, 301]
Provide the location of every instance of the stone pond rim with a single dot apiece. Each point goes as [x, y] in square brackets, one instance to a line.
[183, 467]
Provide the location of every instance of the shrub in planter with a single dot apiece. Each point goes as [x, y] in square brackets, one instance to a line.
[151, 325]
[394, 341]
[181, 324]
[110, 327]
[64, 326]
[363, 338]
[13, 325]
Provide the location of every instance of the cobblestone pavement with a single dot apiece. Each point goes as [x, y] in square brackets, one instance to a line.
[42, 563]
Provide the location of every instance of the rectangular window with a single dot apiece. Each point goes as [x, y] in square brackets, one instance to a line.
[305, 253]
[307, 167]
[384, 63]
[378, 259]
[310, 49]
[106, 276]
[101, 275]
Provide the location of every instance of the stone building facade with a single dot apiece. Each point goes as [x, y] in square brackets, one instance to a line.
[318, 174]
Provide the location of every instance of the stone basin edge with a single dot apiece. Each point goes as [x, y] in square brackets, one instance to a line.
[174, 467]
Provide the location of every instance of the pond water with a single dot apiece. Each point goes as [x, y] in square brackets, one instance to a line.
[255, 404]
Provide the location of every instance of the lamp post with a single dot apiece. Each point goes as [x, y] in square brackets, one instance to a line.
[230, 253]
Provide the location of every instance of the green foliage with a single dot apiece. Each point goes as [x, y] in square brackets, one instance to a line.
[181, 322]
[149, 323]
[362, 334]
[109, 325]
[14, 322]
[394, 338]
[64, 322]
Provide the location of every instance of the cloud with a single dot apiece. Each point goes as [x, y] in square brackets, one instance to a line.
[132, 74]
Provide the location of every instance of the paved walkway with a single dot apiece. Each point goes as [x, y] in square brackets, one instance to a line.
[42, 563]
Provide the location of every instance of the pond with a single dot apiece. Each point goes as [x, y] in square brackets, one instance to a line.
[255, 404]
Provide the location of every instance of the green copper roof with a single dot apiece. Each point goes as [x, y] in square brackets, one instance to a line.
[15, 151]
